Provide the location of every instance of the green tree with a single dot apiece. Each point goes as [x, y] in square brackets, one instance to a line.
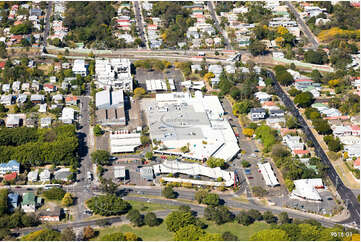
[98, 130]
[101, 157]
[309, 232]
[259, 191]
[67, 200]
[322, 126]
[215, 162]
[255, 214]
[304, 99]
[149, 155]
[188, 233]
[284, 78]
[116, 236]
[316, 76]
[218, 214]
[151, 219]
[242, 107]
[179, 219]
[256, 48]
[43, 235]
[168, 192]
[88, 233]
[245, 219]
[283, 218]
[228, 236]
[270, 235]
[269, 217]
[68, 234]
[211, 199]
[108, 205]
[135, 217]
[54, 193]
[289, 184]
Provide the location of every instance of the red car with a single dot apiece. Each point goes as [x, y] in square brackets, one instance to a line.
[250, 177]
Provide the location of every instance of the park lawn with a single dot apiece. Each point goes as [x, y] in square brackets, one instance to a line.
[157, 233]
[149, 207]
[160, 233]
[242, 232]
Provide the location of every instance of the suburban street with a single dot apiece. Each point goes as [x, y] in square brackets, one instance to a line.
[312, 39]
[138, 16]
[216, 23]
[47, 23]
[346, 194]
[86, 165]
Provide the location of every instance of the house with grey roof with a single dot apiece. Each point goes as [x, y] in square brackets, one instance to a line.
[258, 114]
[45, 175]
[33, 176]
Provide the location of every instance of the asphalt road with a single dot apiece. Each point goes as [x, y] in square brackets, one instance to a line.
[304, 26]
[83, 183]
[346, 194]
[216, 23]
[47, 22]
[139, 22]
[235, 207]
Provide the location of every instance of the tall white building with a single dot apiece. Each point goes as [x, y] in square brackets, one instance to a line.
[114, 73]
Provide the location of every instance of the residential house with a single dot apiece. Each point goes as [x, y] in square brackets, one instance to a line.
[215, 69]
[50, 215]
[45, 122]
[28, 204]
[25, 86]
[293, 142]
[45, 175]
[300, 152]
[52, 79]
[42, 108]
[230, 69]
[62, 174]
[6, 87]
[10, 176]
[13, 120]
[37, 98]
[258, 114]
[352, 150]
[7, 99]
[35, 85]
[13, 201]
[48, 87]
[262, 96]
[21, 98]
[356, 163]
[71, 100]
[196, 67]
[16, 86]
[33, 176]
[276, 113]
[58, 98]
[79, 67]
[67, 115]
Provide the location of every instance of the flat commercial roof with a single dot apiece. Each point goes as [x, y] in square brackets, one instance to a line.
[268, 174]
[307, 188]
[119, 171]
[194, 169]
[124, 142]
[177, 119]
[160, 85]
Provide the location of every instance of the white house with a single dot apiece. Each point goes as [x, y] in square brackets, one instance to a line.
[45, 175]
[79, 67]
[33, 176]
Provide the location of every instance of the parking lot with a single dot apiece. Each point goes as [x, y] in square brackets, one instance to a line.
[323, 207]
[132, 174]
[142, 75]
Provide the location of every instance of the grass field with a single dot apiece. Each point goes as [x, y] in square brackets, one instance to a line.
[161, 233]
[148, 207]
[242, 232]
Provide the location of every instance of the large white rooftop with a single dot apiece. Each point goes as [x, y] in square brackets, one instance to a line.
[177, 119]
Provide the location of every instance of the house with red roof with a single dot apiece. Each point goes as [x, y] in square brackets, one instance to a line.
[48, 87]
[300, 152]
[356, 163]
[10, 176]
[2, 64]
[71, 100]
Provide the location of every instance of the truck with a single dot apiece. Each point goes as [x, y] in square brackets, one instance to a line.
[89, 176]
[235, 131]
